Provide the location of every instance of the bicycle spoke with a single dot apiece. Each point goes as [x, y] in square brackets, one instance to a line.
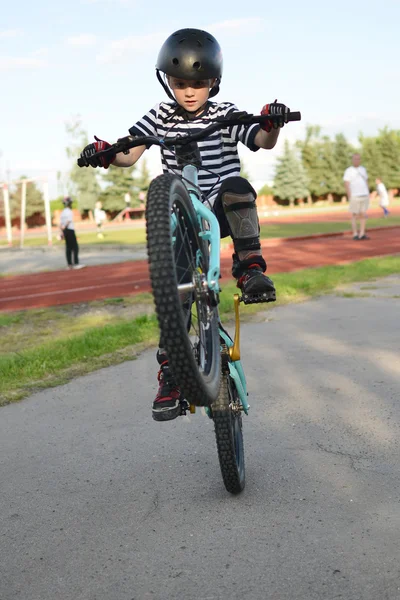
[186, 264]
[185, 244]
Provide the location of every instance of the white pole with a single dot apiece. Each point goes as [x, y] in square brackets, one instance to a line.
[47, 212]
[23, 212]
[7, 216]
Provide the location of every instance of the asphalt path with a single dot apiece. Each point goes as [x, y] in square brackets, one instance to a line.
[98, 502]
[39, 259]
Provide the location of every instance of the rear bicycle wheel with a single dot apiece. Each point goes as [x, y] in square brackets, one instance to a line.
[188, 319]
[227, 417]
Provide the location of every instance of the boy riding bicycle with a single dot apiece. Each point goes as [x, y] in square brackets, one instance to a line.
[190, 62]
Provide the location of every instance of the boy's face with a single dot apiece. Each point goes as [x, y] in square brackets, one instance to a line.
[190, 94]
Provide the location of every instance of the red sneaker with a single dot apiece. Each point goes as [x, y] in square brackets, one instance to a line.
[255, 286]
[166, 405]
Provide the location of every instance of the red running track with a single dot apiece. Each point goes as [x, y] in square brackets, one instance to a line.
[109, 281]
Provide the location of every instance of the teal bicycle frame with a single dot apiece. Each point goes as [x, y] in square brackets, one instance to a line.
[212, 235]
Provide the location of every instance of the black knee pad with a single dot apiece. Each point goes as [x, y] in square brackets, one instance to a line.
[231, 185]
[236, 185]
[238, 200]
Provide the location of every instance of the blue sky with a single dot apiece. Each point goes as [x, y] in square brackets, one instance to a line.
[338, 63]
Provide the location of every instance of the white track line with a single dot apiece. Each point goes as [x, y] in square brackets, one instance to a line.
[135, 285]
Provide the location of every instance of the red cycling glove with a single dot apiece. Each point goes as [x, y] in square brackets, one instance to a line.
[98, 161]
[277, 109]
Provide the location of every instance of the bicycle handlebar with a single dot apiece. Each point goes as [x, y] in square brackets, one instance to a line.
[126, 143]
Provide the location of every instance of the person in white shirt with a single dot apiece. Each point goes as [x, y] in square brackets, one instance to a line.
[99, 217]
[383, 196]
[67, 228]
[356, 183]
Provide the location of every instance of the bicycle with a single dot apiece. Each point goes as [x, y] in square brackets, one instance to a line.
[183, 241]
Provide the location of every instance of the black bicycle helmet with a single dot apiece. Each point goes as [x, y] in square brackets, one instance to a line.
[190, 54]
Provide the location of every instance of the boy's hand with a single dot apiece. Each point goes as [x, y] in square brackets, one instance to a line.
[275, 108]
[98, 161]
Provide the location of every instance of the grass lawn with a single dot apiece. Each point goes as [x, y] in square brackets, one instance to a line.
[299, 229]
[46, 347]
[121, 236]
[138, 236]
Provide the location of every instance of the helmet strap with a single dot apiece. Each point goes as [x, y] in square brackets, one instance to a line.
[215, 89]
[165, 86]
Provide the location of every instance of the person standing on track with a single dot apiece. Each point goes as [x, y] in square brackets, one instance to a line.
[99, 217]
[67, 228]
[356, 183]
[383, 196]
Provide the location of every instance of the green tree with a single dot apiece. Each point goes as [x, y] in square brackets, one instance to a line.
[143, 178]
[371, 158]
[343, 151]
[266, 190]
[34, 199]
[83, 184]
[290, 180]
[326, 166]
[311, 158]
[381, 157]
[57, 203]
[120, 181]
[324, 161]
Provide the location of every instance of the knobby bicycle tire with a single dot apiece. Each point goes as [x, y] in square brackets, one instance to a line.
[198, 379]
[229, 436]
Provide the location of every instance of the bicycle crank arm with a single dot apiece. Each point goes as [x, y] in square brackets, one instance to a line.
[234, 351]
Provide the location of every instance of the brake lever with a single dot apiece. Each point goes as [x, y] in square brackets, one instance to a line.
[119, 145]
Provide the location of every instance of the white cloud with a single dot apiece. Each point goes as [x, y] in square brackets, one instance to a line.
[351, 126]
[10, 33]
[10, 63]
[249, 24]
[126, 48]
[84, 39]
[110, 1]
[41, 52]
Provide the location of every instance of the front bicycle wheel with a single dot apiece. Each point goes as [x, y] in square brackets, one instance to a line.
[227, 417]
[186, 310]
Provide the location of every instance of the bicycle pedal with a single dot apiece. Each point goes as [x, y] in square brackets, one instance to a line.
[258, 298]
[184, 407]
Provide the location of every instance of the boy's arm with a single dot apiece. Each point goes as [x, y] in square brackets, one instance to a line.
[127, 160]
[265, 139]
[269, 130]
[119, 160]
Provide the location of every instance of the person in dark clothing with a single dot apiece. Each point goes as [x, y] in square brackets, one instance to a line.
[67, 228]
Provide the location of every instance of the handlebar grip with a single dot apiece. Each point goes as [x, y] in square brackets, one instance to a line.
[295, 116]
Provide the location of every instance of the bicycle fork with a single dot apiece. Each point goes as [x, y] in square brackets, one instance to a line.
[230, 350]
[235, 366]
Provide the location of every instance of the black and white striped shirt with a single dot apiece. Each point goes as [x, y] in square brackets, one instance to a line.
[218, 152]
